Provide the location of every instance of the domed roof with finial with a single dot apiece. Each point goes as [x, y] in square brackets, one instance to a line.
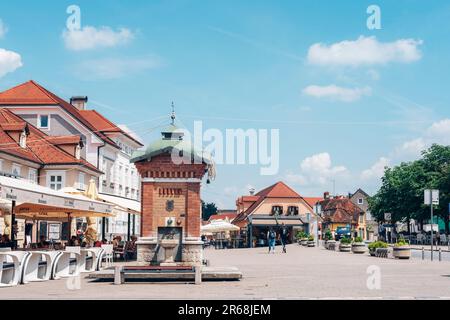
[172, 138]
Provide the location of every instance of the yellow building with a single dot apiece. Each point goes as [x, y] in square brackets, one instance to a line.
[339, 213]
[270, 208]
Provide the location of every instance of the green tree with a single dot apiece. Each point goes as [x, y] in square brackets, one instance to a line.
[208, 209]
[401, 191]
[436, 161]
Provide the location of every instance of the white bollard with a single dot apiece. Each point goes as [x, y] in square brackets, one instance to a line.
[118, 275]
[198, 274]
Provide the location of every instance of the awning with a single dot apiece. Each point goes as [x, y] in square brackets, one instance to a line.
[127, 205]
[38, 202]
[218, 226]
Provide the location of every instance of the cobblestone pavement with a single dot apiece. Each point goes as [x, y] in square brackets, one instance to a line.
[302, 273]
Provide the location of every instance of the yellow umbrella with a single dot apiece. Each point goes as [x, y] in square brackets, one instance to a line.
[91, 232]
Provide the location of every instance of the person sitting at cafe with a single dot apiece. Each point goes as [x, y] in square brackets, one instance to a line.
[4, 239]
[117, 241]
[131, 249]
[42, 242]
[73, 242]
[97, 244]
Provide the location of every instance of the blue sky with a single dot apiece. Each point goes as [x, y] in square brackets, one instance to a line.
[250, 64]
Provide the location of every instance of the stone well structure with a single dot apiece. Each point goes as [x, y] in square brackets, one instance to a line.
[170, 200]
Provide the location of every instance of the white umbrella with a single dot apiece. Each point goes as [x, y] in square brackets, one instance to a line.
[217, 226]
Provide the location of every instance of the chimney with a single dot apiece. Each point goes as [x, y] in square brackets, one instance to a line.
[252, 191]
[79, 102]
[326, 195]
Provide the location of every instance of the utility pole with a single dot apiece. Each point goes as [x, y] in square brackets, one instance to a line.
[431, 197]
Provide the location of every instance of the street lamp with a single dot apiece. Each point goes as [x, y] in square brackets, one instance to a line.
[318, 210]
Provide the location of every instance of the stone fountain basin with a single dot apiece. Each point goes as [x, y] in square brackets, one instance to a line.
[169, 243]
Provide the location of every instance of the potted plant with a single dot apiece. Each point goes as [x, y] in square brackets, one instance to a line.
[302, 238]
[402, 250]
[328, 237]
[311, 242]
[375, 245]
[345, 245]
[358, 246]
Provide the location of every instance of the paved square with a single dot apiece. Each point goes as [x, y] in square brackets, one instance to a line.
[302, 273]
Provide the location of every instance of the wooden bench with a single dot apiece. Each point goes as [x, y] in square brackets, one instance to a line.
[156, 273]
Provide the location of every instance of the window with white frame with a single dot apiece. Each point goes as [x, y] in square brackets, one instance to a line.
[15, 170]
[360, 200]
[32, 175]
[43, 121]
[81, 183]
[55, 180]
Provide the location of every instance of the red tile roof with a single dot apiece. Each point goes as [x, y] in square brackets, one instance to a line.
[31, 93]
[19, 126]
[277, 190]
[64, 140]
[39, 147]
[340, 210]
[101, 124]
[312, 200]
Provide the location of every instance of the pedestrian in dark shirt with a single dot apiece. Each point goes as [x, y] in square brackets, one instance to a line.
[284, 236]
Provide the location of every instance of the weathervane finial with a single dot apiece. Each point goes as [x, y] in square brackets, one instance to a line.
[173, 114]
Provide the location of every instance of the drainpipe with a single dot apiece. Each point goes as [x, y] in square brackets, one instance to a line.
[103, 218]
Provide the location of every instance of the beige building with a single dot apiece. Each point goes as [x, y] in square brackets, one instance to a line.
[26, 153]
[270, 208]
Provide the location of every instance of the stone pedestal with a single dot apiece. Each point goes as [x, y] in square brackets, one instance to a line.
[192, 252]
[146, 250]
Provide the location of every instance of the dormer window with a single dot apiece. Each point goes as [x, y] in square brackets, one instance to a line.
[23, 140]
[78, 152]
[277, 210]
[43, 121]
[293, 211]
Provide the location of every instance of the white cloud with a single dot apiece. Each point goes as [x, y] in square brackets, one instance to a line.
[114, 68]
[438, 132]
[337, 93]
[316, 170]
[91, 38]
[3, 29]
[364, 51]
[9, 61]
[377, 169]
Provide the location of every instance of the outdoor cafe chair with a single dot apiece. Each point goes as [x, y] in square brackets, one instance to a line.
[107, 254]
[11, 264]
[39, 266]
[68, 263]
[89, 259]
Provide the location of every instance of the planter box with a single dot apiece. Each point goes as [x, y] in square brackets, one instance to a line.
[304, 242]
[311, 243]
[359, 247]
[345, 247]
[402, 252]
[372, 252]
[330, 245]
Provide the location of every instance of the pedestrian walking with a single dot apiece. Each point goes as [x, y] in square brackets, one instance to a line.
[284, 236]
[271, 236]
